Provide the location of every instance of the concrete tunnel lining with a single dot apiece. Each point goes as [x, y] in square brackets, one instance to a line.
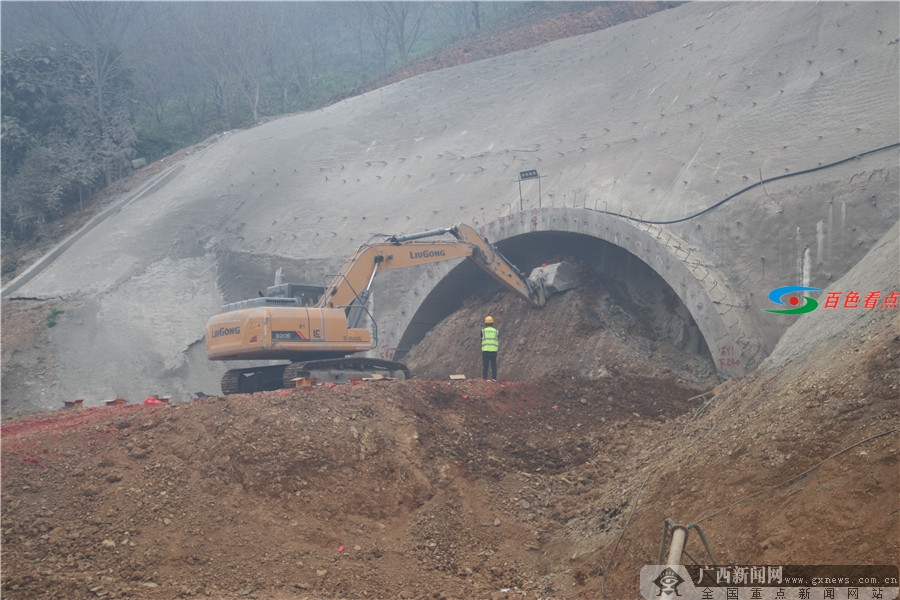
[717, 311]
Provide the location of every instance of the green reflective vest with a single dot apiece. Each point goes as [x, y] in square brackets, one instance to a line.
[489, 340]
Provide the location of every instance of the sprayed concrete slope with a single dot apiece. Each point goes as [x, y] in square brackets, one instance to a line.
[655, 119]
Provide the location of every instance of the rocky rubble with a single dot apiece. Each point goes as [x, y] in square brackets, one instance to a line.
[374, 490]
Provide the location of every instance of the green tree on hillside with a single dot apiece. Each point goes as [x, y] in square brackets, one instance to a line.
[56, 147]
[67, 122]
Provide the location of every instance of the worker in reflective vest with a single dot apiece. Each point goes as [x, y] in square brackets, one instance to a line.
[490, 344]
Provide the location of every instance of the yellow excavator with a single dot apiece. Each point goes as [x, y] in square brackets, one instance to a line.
[318, 329]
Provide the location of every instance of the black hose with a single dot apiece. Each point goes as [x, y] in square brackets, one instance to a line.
[749, 187]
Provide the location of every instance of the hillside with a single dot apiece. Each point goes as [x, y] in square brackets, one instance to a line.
[535, 23]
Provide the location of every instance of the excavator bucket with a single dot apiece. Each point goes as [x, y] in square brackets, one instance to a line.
[552, 279]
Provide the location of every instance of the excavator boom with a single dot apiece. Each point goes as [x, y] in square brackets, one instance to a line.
[400, 251]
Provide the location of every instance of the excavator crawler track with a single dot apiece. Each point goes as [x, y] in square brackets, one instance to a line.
[253, 379]
[335, 370]
[339, 370]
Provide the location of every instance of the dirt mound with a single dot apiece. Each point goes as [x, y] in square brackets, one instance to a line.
[379, 490]
[584, 332]
[382, 490]
[463, 489]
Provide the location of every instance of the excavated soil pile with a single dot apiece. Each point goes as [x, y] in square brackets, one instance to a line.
[456, 489]
[590, 331]
[378, 490]
[381, 490]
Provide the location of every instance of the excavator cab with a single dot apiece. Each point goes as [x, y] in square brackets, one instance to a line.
[306, 295]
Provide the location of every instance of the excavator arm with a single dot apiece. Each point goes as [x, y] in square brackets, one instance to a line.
[352, 285]
[486, 256]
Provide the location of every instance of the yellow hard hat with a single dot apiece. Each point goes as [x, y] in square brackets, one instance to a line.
[489, 320]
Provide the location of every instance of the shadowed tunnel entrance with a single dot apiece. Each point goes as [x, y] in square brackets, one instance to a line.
[634, 286]
[675, 294]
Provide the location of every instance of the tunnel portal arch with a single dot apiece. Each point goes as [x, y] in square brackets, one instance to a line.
[717, 309]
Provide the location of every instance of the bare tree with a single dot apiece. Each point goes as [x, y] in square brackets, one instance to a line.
[379, 28]
[183, 62]
[305, 31]
[455, 17]
[103, 28]
[404, 22]
[354, 17]
[254, 57]
[233, 46]
[156, 60]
